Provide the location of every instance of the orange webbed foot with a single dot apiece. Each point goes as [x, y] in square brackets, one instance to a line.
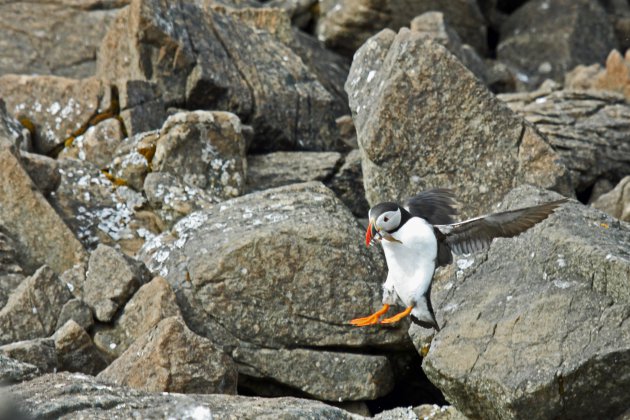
[371, 319]
[397, 317]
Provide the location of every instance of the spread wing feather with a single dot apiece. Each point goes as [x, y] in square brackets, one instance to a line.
[476, 234]
[436, 206]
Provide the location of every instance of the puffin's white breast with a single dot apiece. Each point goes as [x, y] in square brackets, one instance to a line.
[411, 263]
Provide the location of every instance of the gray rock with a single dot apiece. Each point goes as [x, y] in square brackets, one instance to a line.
[112, 278]
[74, 279]
[616, 202]
[12, 371]
[76, 351]
[153, 302]
[97, 144]
[172, 358]
[25, 214]
[39, 352]
[490, 148]
[12, 133]
[205, 150]
[588, 129]
[33, 308]
[243, 272]
[83, 397]
[285, 168]
[76, 310]
[345, 25]
[142, 108]
[347, 183]
[43, 170]
[171, 199]
[132, 159]
[11, 274]
[99, 210]
[56, 106]
[538, 326]
[62, 40]
[218, 62]
[332, 376]
[544, 39]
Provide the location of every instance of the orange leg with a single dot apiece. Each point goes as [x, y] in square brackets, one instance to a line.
[371, 319]
[397, 317]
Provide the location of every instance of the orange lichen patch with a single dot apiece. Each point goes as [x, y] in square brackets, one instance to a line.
[604, 225]
[424, 350]
[116, 181]
[28, 124]
[148, 151]
[68, 142]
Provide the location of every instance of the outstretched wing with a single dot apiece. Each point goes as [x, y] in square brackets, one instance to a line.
[476, 234]
[436, 206]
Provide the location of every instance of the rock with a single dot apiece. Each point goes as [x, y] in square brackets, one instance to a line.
[43, 170]
[616, 202]
[20, 206]
[171, 358]
[211, 258]
[545, 38]
[301, 12]
[62, 39]
[435, 412]
[205, 150]
[11, 274]
[33, 308]
[615, 77]
[56, 106]
[12, 133]
[132, 159]
[171, 199]
[284, 168]
[112, 278]
[201, 57]
[12, 371]
[77, 311]
[347, 131]
[97, 144]
[39, 352]
[345, 25]
[153, 302]
[74, 279]
[490, 148]
[99, 210]
[588, 130]
[347, 183]
[81, 396]
[332, 376]
[76, 351]
[142, 108]
[433, 26]
[537, 327]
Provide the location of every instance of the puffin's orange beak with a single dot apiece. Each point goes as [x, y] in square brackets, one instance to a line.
[369, 233]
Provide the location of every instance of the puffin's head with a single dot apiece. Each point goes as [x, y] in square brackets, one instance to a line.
[384, 218]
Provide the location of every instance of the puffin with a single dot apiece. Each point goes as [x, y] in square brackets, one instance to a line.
[421, 235]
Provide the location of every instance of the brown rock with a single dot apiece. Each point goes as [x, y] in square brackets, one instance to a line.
[112, 278]
[55, 105]
[97, 145]
[11, 274]
[544, 39]
[614, 77]
[77, 311]
[490, 148]
[152, 303]
[171, 358]
[43, 170]
[616, 202]
[12, 133]
[20, 206]
[76, 351]
[59, 38]
[33, 308]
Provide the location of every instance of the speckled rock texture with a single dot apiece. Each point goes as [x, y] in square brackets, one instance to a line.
[616, 202]
[489, 149]
[542, 317]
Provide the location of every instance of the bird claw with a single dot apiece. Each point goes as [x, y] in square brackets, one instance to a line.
[370, 319]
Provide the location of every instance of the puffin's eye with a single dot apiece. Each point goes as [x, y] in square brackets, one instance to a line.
[386, 219]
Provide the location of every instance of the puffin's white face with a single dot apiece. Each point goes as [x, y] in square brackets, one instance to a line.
[388, 221]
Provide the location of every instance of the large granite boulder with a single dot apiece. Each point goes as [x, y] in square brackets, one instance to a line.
[543, 39]
[423, 120]
[281, 268]
[588, 129]
[538, 326]
[199, 55]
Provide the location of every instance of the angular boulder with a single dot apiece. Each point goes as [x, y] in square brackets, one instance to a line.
[538, 326]
[33, 308]
[13, 371]
[616, 202]
[544, 39]
[112, 278]
[76, 351]
[412, 100]
[171, 358]
[38, 352]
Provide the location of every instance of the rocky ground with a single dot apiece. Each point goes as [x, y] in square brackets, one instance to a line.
[182, 188]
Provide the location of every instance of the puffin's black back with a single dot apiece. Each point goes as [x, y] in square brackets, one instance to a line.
[436, 206]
